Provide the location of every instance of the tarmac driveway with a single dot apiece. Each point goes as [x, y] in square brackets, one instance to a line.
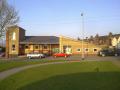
[89, 58]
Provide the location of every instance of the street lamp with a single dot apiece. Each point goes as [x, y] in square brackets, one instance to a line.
[87, 45]
[83, 56]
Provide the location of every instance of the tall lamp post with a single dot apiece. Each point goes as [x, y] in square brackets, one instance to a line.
[83, 56]
[87, 45]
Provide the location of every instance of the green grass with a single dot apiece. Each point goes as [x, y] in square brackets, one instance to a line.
[67, 76]
[5, 65]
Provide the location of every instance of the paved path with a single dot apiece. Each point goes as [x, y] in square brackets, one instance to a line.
[9, 72]
[116, 62]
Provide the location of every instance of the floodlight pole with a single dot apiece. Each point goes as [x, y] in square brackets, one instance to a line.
[83, 56]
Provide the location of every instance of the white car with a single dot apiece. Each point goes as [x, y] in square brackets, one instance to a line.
[35, 55]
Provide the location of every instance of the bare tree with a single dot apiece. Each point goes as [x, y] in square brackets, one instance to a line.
[8, 17]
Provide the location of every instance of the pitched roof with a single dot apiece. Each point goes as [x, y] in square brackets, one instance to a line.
[106, 36]
[40, 40]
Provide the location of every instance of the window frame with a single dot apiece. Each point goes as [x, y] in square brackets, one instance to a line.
[26, 46]
[45, 46]
[87, 49]
[36, 47]
[94, 50]
[13, 47]
[78, 49]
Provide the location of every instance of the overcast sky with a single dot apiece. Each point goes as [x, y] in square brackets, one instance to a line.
[62, 17]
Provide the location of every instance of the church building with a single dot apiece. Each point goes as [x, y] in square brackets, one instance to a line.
[17, 44]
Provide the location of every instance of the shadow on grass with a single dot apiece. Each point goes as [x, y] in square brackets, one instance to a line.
[79, 81]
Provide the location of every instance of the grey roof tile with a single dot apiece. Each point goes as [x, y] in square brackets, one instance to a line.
[40, 40]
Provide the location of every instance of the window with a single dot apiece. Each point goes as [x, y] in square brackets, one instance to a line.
[14, 36]
[86, 50]
[13, 47]
[45, 46]
[55, 50]
[26, 47]
[78, 50]
[36, 47]
[95, 50]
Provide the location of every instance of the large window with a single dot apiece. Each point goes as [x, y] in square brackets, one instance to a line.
[14, 36]
[13, 47]
[55, 50]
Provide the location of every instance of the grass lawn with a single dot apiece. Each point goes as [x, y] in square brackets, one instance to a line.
[68, 76]
[5, 65]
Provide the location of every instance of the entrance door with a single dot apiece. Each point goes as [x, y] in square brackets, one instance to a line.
[67, 49]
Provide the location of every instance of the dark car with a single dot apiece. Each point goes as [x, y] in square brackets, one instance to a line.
[109, 52]
[117, 52]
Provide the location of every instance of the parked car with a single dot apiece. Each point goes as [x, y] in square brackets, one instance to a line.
[109, 52]
[47, 54]
[61, 55]
[2, 54]
[117, 51]
[35, 55]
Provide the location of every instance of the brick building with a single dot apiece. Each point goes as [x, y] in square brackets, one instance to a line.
[17, 43]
